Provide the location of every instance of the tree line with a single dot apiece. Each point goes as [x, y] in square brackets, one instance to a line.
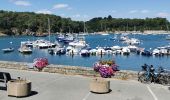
[17, 23]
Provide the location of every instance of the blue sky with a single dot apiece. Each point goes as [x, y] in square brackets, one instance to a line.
[87, 9]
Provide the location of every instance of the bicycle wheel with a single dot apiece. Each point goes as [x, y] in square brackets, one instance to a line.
[163, 80]
[143, 78]
[140, 75]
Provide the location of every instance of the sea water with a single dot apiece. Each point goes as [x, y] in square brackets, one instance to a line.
[131, 62]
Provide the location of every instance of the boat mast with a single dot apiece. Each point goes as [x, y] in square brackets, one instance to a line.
[167, 28]
[84, 27]
[49, 33]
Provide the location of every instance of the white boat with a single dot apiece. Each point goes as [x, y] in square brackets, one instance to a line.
[132, 41]
[168, 37]
[93, 51]
[125, 51]
[43, 44]
[72, 51]
[133, 48]
[24, 49]
[115, 48]
[156, 52]
[100, 51]
[79, 43]
[57, 51]
[7, 50]
[124, 38]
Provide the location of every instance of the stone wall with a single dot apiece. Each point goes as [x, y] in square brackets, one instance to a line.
[67, 70]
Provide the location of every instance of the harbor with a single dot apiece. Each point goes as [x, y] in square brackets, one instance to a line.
[152, 49]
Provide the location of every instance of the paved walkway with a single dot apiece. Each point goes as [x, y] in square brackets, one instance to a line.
[49, 86]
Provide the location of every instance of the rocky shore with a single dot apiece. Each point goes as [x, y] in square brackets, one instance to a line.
[67, 70]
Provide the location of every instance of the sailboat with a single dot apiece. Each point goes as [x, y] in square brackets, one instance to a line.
[168, 36]
[104, 32]
[84, 31]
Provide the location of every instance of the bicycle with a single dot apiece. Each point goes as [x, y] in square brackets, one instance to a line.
[146, 75]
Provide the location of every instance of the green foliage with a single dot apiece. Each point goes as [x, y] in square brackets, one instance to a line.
[13, 23]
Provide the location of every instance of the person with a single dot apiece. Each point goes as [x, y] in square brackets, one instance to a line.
[144, 67]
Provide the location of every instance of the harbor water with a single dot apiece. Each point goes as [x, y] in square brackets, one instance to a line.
[131, 62]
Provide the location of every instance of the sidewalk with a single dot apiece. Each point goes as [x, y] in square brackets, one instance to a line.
[49, 86]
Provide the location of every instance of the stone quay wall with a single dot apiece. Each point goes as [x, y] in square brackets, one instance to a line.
[67, 70]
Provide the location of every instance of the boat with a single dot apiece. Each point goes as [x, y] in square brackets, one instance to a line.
[146, 53]
[101, 51]
[124, 38]
[125, 51]
[84, 53]
[132, 41]
[24, 49]
[72, 51]
[7, 50]
[79, 43]
[68, 38]
[57, 51]
[60, 37]
[167, 37]
[93, 51]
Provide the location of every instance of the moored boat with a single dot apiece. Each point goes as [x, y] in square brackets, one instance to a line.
[24, 49]
[7, 50]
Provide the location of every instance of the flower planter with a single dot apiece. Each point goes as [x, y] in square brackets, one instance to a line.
[40, 63]
[100, 85]
[19, 88]
[106, 68]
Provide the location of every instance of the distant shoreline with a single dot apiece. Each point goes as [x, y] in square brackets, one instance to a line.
[116, 32]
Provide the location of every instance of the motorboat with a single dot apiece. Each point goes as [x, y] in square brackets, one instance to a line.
[101, 51]
[60, 37]
[84, 53]
[24, 49]
[43, 44]
[93, 51]
[7, 50]
[57, 51]
[125, 51]
[79, 43]
[167, 37]
[132, 41]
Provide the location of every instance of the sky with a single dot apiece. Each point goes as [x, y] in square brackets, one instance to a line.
[84, 10]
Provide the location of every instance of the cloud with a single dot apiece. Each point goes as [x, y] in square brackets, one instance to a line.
[163, 14]
[145, 11]
[107, 12]
[61, 6]
[133, 11]
[76, 16]
[44, 11]
[79, 17]
[21, 2]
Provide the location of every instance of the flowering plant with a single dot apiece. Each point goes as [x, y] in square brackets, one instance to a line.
[106, 68]
[40, 63]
